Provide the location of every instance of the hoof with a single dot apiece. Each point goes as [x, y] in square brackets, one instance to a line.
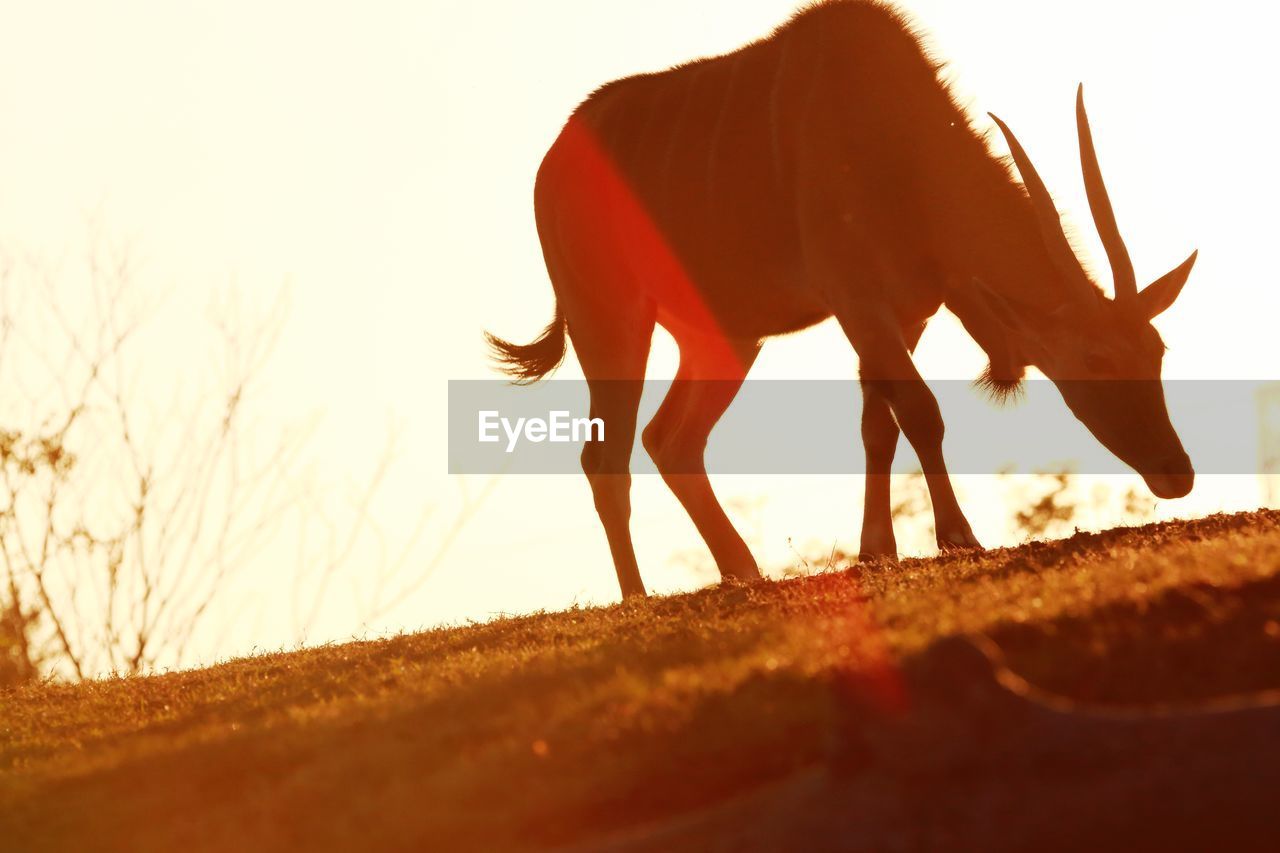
[965, 541]
[745, 575]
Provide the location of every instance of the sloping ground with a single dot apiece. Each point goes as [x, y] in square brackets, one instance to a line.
[843, 711]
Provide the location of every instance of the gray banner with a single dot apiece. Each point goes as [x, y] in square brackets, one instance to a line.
[812, 427]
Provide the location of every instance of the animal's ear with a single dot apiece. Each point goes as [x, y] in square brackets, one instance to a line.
[1160, 294]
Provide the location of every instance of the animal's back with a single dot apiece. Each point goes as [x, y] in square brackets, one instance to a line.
[723, 152]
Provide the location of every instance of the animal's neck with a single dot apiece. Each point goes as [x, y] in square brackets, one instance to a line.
[1007, 362]
[1000, 245]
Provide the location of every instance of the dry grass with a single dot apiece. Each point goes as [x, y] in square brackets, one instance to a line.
[557, 727]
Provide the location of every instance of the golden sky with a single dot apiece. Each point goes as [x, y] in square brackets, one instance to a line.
[378, 158]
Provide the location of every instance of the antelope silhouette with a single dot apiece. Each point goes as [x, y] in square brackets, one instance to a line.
[825, 171]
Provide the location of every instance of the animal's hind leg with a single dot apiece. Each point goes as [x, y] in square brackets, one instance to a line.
[676, 438]
[612, 351]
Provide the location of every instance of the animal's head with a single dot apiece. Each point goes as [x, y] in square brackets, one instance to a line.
[1103, 354]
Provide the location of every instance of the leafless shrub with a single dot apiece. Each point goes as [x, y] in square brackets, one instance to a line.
[126, 516]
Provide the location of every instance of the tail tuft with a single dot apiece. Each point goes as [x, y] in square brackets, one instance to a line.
[528, 363]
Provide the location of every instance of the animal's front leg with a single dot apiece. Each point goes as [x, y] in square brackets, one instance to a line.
[888, 372]
[879, 441]
[950, 526]
[917, 412]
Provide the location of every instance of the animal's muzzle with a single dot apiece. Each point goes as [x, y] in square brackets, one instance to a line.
[1172, 478]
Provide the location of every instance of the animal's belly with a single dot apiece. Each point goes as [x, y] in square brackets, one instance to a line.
[727, 286]
[749, 311]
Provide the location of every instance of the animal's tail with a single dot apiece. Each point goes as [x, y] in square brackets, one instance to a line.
[528, 363]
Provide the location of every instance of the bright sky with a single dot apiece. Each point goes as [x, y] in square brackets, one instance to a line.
[379, 159]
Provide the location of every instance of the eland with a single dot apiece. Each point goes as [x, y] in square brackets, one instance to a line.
[825, 171]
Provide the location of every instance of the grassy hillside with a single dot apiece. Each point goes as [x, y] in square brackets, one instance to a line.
[785, 710]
